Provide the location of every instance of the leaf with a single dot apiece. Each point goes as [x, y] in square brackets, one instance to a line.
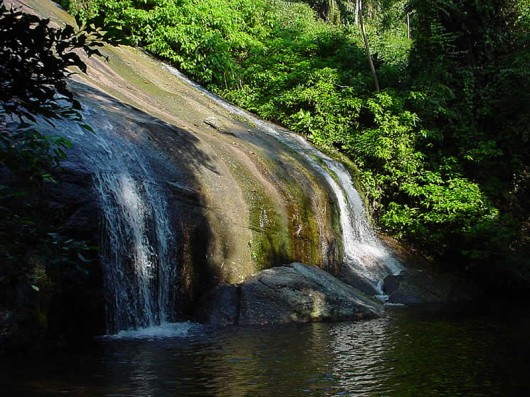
[87, 127]
[35, 288]
[83, 258]
[67, 31]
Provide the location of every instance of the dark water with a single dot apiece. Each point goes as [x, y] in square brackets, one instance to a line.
[411, 352]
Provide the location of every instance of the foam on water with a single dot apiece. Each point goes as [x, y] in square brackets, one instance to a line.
[164, 330]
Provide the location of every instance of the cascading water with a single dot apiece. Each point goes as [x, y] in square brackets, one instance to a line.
[141, 277]
[139, 273]
[364, 253]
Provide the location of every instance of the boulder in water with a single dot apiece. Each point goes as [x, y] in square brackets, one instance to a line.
[220, 306]
[294, 293]
[357, 281]
[420, 286]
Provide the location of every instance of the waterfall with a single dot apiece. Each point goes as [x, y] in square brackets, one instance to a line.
[364, 253]
[140, 275]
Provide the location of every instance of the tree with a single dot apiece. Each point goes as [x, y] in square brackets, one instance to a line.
[35, 62]
[359, 13]
[467, 61]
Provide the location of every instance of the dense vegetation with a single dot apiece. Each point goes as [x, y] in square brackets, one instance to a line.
[441, 141]
[35, 62]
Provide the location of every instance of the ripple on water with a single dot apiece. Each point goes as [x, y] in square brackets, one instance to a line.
[403, 354]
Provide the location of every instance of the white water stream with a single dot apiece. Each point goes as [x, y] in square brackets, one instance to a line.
[139, 274]
[364, 252]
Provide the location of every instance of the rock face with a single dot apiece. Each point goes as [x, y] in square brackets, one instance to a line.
[220, 306]
[294, 293]
[420, 287]
[74, 199]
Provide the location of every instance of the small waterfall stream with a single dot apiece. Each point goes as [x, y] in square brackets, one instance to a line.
[139, 273]
[364, 253]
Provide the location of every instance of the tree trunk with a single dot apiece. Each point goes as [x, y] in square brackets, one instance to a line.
[367, 47]
[408, 25]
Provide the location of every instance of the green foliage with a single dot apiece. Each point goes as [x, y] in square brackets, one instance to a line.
[467, 64]
[204, 38]
[442, 210]
[432, 146]
[35, 63]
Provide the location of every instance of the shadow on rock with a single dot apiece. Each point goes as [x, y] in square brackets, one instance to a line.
[294, 293]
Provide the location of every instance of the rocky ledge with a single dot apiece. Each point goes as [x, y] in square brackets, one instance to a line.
[414, 287]
[294, 293]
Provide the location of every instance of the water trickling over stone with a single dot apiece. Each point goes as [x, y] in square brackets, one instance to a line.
[364, 253]
[139, 273]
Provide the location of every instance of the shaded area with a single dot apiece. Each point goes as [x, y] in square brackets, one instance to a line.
[436, 352]
[185, 211]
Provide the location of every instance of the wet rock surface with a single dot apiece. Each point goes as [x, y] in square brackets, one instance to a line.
[294, 293]
[357, 281]
[220, 306]
[413, 287]
[73, 200]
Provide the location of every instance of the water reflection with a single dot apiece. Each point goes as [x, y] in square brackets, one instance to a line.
[285, 361]
[407, 353]
[360, 366]
[448, 356]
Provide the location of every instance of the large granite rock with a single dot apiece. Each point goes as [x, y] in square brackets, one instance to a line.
[294, 293]
[420, 287]
[220, 306]
[73, 200]
[357, 281]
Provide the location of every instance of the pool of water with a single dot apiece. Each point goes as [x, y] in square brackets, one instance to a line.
[410, 352]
